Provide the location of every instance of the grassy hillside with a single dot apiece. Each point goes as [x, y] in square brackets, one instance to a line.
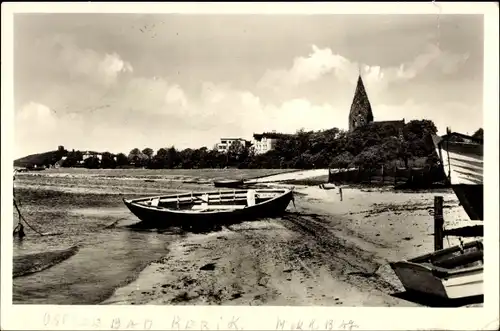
[38, 159]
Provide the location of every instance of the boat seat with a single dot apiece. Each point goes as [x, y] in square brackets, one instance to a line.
[205, 198]
[251, 196]
[155, 202]
[215, 207]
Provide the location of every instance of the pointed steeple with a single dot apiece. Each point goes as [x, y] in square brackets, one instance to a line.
[361, 110]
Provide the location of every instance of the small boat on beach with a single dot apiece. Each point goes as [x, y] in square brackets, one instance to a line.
[462, 159]
[229, 183]
[451, 273]
[204, 209]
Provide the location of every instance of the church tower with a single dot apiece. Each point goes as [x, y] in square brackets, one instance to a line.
[361, 110]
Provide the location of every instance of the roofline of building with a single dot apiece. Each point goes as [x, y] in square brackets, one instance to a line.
[233, 139]
[272, 135]
[391, 121]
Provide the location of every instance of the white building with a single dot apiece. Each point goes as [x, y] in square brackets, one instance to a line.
[87, 154]
[265, 142]
[224, 143]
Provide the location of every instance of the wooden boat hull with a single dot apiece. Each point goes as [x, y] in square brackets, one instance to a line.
[419, 278]
[436, 279]
[229, 183]
[462, 164]
[471, 199]
[164, 218]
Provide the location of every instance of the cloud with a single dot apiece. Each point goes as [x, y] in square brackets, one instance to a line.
[322, 62]
[306, 69]
[176, 96]
[107, 105]
[233, 110]
[38, 114]
[219, 111]
[465, 117]
[148, 95]
[39, 128]
[301, 113]
[434, 59]
[82, 63]
[156, 113]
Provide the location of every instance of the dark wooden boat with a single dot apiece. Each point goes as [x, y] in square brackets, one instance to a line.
[204, 209]
[451, 273]
[229, 183]
[462, 159]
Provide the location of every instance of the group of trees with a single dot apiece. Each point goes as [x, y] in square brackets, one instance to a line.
[371, 146]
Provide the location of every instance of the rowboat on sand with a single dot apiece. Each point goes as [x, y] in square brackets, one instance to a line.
[229, 183]
[204, 209]
[462, 159]
[451, 273]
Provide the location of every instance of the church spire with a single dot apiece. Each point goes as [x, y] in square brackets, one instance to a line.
[361, 110]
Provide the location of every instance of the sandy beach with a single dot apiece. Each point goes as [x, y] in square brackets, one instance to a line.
[323, 251]
[326, 252]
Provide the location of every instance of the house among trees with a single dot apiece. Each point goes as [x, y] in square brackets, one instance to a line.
[361, 111]
[88, 154]
[225, 143]
[265, 142]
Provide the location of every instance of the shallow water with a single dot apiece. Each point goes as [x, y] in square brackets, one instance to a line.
[107, 260]
[110, 255]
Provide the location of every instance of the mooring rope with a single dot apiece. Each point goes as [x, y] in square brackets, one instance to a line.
[21, 217]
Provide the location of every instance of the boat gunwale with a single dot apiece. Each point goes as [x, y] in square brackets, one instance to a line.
[441, 252]
[199, 193]
[436, 271]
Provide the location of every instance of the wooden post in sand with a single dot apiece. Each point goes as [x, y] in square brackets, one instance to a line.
[438, 223]
[395, 175]
[340, 193]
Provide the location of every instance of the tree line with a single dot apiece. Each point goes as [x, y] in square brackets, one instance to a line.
[370, 146]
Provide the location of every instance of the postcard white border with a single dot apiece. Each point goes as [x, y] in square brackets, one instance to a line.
[32, 317]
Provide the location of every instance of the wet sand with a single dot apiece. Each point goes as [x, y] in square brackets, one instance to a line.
[31, 263]
[323, 252]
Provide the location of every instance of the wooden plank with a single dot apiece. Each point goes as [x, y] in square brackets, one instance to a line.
[449, 250]
[395, 175]
[466, 231]
[199, 197]
[459, 260]
[217, 197]
[224, 194]
[215, 207]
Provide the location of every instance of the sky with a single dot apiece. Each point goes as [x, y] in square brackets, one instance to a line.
[113, 82]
